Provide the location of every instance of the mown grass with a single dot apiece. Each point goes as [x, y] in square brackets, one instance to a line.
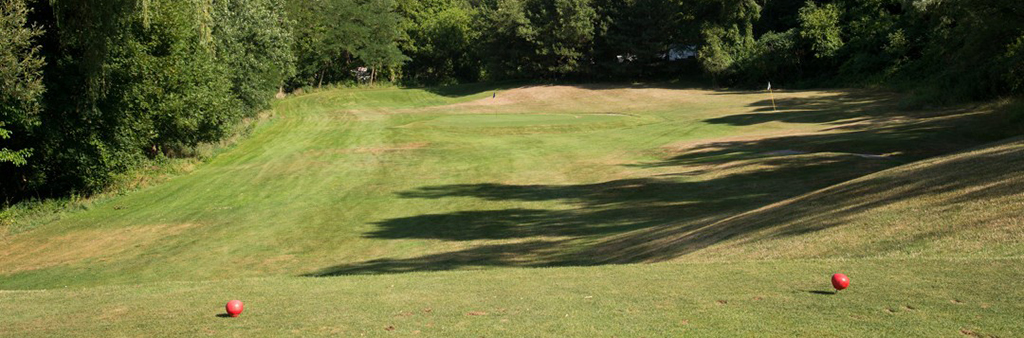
[363, 181]
[749, 206]
[887, 297]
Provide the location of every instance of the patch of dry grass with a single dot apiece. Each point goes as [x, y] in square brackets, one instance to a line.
[86, 244]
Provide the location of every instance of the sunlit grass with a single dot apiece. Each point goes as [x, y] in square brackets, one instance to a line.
[747, 205]
[891, 297]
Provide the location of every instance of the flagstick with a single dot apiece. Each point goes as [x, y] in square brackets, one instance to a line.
[774, 109]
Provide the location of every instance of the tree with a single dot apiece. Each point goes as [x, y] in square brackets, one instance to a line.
[538, 38]
[310, 41]
[326, 37]
[332, 35]
[377, 46]
[128, 80]
[441, 41]
[254, 42]
[21, 84]
[820, 25]
[728, 32]
[175, 78]
[975, 47]
[645, 30]
[716, 56]
[506, 45]
[1014, 59]
[566, 32]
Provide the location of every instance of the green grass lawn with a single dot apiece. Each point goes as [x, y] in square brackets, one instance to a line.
[354, 211]
[890, 297]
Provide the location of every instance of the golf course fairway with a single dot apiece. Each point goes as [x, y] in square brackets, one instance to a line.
[597, 210]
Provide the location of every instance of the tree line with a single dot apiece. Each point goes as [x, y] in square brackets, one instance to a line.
[94, 88]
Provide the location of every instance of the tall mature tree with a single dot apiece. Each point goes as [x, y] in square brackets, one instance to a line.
[728, 31]
[21, 84]
[538, 38]
[310, 35]
[332, 36]
[377, 47]
[81, 142]
[326, 34]
[506, 43]
[566, 32]
[643, 30]
[254, 41]
[441, 41]
[129, 78]
[1014, 59]
[820, 25]
[176, 78]
[976, 45]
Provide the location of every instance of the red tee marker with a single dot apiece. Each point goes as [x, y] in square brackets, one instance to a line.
[234, 308]
[840, 281]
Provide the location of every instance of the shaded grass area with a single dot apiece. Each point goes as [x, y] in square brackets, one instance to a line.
[728, 195]
[357, 182]
[887, 297]
[560, 237]
[968, 204]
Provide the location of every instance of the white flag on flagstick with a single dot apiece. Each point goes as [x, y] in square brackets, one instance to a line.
[769, 85]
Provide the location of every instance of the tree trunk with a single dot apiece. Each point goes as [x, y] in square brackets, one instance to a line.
[373, 75]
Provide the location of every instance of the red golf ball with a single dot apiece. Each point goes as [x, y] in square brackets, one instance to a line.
[840, 281]
[234, 308]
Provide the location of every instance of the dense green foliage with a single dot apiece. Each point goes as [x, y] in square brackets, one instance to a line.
[537, 38]
[946, 51]
[20, 80]
[440, 44]
[254, 41]
[127, 81]
[961, 50]
[333, 38]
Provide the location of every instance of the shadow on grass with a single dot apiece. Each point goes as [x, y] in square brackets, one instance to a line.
[881, 130]
[819, 292]
[665, 217]
[527, 254]
[611, 207]
[842, 107]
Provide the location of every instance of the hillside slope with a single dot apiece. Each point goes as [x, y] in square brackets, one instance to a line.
[370, 181]
[933, 249]
[968, 204]
[747, 211]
